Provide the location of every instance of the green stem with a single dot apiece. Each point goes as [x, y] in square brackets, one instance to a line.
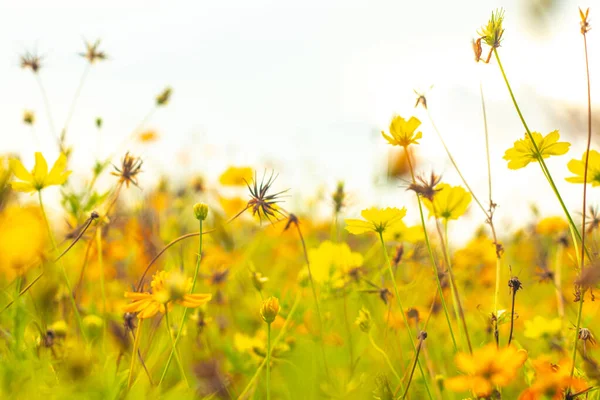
[173, 345]
[387, 359]
[62, 267]
[136, 344]
[393, 278]
[268, 361]
[279, 336]
[185, 311]
[102, 289]
[431, 256]
[543, 165]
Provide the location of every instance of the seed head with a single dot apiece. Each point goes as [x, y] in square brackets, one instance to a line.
[585, 24]
[92, 54]
[426, 187]
[130, 167]
[31, 61]
[261, 202]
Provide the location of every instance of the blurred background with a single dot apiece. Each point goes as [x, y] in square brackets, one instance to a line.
[304, 89]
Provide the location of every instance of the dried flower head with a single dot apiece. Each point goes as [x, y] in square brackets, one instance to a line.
[585, 24]
[28, 117]
[339, 197]
[492, 32]
[163, 98]
[261, 202]
[424, 187]
[130, 167]
[32, 61]
[92, 54]
[515, 284]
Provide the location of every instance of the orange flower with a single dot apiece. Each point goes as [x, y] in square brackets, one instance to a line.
[486, 368]
[552, 381]
[167, 288]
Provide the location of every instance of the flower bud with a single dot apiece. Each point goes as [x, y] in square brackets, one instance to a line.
[201, 211]
[363, 320]
[270, 309]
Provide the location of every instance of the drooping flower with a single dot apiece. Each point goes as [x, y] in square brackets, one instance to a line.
[167, 288]
[402, 132]
[485, 369]
[523, 152]
[39, 177]
[577, 167]
[375, 220]
[449, 202]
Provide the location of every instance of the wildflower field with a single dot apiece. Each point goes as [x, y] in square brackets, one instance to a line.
[230, 289]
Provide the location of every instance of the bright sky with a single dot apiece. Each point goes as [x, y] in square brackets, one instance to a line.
[304, 88]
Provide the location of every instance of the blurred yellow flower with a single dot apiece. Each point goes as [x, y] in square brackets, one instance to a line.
[541, 327]
[148, 136]
[402, 233]
[167, 287]
[487, 368]
[28, 117]
[523, 152]
[23, 239]
[332, 261]
[578, 168]
[236, 176]
[551, 226]
[403, 132]
[376, 220]
[552, 380]
[39, 177]
[449, 202]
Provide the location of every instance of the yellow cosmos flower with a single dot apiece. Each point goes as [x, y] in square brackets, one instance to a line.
[487, 368]
[541, 327]
[39, 177]
[551, 226]
[333, 261]
[403, 132]
[449, 202]
[523, 152]
[402, 233]
[167, 288]
[236, 176]
[578, 168]
[376, 220]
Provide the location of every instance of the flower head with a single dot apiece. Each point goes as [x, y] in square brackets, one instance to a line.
[491, 33]
[424, 187]
[450, 202]
[28, 117]
[163, 97]
[167, 288]
[402, 132]
[269, 309]
[130, 167]
[39, 177]
[92, 54]
[585, 24]
[577, 167]
[375, 220]
[261, 202]
[31, 61]
[201, 211]
[486, 368]
[523, 152]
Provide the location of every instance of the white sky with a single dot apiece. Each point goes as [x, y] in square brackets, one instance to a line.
[302, 87]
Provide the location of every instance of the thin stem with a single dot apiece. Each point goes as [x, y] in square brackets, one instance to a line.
[512, 316]
[74, 102]
[102, 289]
[136, 344]
[268, 361]
[314, 293]
[543, 165]
[393, 278]
[185, 311]
[422, 337]
[47, 108]
[62, 267]
[173, 345]
[279, 336]
[387, 359]
[583, 230]
[431, 256]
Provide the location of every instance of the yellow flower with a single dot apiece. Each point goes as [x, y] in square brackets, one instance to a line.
[578, 168]
[487, 368]
[402, 233]
[449, 202]
[332, 261]
[403, 132]
[236, 176]
[377, 220]
[269, 309]
[551, 226]
[148, 136]
[492, 32]
[523, 151]
[167, 287]
[23, 238]
[541, 327]
[39, 177]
